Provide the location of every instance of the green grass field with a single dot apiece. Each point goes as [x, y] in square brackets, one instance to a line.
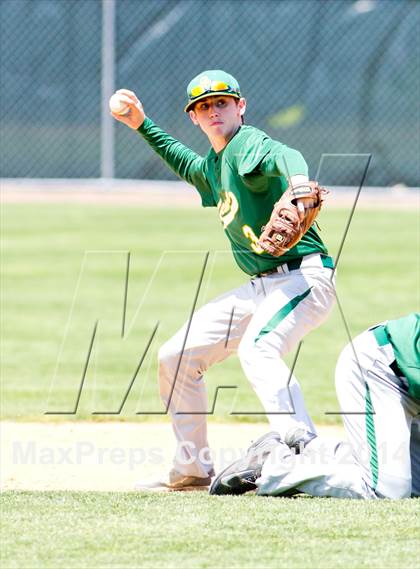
[43, 249]
[194, 530]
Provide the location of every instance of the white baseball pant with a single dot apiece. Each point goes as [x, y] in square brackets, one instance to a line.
[382, 422]
[262, 321]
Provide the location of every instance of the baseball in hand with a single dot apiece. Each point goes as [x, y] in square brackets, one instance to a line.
[118, 104]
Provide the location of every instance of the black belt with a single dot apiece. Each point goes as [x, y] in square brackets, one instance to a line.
[396, 369]
[295, 264]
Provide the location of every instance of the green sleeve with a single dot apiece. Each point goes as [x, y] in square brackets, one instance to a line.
[283, 161]
[258, 156]
[182, 160]
[404, 335]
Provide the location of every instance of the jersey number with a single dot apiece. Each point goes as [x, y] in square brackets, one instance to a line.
[228, 207]
[249, 234]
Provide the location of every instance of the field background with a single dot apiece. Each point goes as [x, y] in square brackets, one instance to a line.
[45, 246]
[81, 194]
[45, 237]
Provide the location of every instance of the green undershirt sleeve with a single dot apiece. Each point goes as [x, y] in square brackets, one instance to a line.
[186, 163]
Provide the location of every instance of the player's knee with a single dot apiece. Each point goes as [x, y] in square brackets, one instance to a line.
[172, 357]
[245, 352]
[168, 355]
[168, 358]
[249, 352]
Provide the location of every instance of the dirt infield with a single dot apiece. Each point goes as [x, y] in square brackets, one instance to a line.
[175, 194]
[107, 456]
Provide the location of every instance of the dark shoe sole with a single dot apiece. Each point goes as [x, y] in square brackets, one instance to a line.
[241, 478]
[234, 484]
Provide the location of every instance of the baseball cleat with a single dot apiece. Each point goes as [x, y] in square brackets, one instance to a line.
[176, 482]
[241, 475]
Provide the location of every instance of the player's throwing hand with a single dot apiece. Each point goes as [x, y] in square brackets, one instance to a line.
[135, 116]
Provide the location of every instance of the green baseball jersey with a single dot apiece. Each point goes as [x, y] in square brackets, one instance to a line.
[404, 335]
[243, 181]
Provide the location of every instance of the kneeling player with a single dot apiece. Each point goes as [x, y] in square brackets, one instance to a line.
[378, 387]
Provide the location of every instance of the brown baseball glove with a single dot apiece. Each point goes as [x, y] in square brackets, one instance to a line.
[292, 216]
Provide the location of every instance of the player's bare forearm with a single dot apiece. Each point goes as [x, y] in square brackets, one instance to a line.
[135, 116]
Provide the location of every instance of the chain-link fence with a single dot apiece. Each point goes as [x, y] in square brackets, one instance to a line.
[322, 76]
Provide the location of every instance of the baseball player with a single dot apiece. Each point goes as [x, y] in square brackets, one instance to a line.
[378, 387]
[243, 175]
